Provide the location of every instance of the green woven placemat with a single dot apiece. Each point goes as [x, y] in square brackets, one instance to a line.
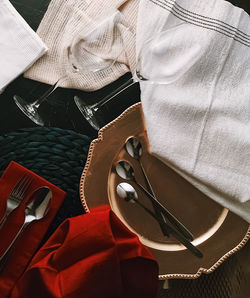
[55, 154]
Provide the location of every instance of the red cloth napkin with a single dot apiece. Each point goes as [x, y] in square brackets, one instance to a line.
[91, 256]
[28, 243]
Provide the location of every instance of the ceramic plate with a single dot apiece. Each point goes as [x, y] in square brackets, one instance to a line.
[218, 233]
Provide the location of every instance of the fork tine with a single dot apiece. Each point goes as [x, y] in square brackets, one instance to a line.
[18, 185]
[25, 187]
[21, 186]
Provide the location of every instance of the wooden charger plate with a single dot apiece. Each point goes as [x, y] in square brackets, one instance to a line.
[218, 233]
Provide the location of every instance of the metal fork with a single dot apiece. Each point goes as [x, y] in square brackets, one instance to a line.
[16, 195]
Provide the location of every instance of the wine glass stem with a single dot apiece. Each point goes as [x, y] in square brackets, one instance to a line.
[113, 94]
[47, 93]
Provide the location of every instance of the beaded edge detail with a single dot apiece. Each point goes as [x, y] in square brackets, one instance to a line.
[85, 206]
[92, 148]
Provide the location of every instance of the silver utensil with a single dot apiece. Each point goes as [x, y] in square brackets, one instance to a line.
[16, 195]
[36, 209]
[134, 148]
[126, 192]
[126, 171]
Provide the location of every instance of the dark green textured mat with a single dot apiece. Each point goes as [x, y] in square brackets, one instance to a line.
[55, 154]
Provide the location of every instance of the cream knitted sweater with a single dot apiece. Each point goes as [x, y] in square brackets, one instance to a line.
[66, 19]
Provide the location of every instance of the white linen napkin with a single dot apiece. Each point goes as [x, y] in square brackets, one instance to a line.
[20, 46]
[199, 122]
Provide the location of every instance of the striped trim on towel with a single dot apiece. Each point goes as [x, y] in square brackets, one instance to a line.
[204, 21]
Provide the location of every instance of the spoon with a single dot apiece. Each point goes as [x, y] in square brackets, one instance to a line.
[126, 192]
[134, 148]
[126, 171]
[36, 209]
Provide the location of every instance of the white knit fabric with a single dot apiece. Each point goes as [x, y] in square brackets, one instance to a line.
[66, 20]
[199, 123]
[20, 46]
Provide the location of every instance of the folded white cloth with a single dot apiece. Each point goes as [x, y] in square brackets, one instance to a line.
[20, 46]
[198, 122]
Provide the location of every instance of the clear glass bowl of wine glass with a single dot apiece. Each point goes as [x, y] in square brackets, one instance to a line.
[156, 64]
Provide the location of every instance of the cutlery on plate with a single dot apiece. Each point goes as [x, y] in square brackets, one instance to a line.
[126, 171]
[36, 209]
[134, 149]
[16, 195]
[126, 192]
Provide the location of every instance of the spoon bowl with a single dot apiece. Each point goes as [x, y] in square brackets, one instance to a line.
[39, 204]
[125, 170]
[134, 147]
[126, 192]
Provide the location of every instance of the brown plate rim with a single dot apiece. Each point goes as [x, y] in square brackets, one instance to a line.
[86, 208]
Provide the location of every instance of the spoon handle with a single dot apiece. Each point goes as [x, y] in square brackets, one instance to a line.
[186, 233]
[179, 236]
[158, 213]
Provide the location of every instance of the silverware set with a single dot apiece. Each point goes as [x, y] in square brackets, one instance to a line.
[134, 149]
[36, 207]
[169, 224]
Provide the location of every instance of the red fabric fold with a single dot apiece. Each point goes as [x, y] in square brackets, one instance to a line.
[91, 256]
[29, 241]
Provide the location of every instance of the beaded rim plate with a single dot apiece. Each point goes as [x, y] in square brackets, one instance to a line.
[218, 233]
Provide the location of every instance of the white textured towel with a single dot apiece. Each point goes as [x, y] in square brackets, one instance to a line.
[66, 20]
[199, 122]
[20, 46]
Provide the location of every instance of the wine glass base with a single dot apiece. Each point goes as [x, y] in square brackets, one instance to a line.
[29, 110]
[88, 113]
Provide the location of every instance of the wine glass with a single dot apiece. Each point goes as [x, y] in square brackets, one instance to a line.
[156, 64]
[30, 109]
[93, 113]
[88, 53]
